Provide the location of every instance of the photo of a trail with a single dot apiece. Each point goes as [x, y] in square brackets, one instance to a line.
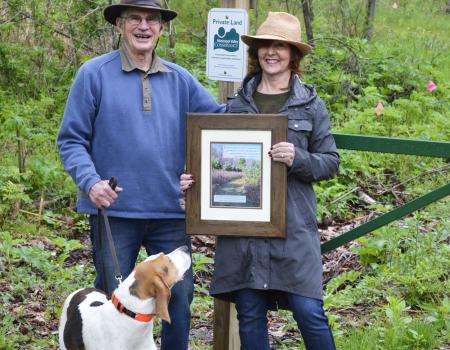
[236, 175]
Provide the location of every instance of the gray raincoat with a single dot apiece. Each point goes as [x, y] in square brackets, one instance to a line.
[292, 264]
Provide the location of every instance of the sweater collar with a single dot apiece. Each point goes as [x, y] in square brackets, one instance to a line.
[128, 65]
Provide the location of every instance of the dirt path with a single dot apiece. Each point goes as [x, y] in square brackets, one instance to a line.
[233, 187]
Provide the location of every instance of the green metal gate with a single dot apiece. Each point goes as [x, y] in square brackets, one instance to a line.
[396, 146]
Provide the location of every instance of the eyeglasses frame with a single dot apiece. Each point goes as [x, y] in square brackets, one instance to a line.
[151, 22]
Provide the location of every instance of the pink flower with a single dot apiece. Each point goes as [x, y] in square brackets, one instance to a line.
[378, 109]
[431, 86]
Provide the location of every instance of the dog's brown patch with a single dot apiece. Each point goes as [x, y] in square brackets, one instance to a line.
[154, 279]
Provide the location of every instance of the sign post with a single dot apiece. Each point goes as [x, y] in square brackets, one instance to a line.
[226, 330]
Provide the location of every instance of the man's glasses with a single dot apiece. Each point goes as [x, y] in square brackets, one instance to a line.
[135, 20]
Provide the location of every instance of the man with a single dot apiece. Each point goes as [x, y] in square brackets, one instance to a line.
[125, 117]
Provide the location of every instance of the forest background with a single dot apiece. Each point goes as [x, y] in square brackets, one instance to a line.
[383, 72]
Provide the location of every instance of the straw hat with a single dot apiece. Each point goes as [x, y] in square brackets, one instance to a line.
[279, 26]
[113, 11]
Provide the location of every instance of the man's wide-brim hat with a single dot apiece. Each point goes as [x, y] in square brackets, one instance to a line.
[113, 11]
[279, 26]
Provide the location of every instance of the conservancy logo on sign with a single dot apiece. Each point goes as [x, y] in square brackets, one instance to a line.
[227, 41]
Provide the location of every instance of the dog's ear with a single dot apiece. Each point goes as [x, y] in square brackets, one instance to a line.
[161, 299]
[155, 279]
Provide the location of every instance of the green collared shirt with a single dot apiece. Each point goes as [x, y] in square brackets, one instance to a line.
[128, 65]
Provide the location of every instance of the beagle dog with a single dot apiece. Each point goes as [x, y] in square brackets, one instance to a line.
[91, 321]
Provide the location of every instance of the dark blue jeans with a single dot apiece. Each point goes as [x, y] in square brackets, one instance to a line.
[252, 306]
[156, 236]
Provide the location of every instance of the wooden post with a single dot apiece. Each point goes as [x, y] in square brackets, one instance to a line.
[226, 328]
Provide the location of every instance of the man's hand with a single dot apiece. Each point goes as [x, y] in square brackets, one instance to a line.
[102, 195]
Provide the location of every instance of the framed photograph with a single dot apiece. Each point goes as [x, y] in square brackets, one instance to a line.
[238, 190]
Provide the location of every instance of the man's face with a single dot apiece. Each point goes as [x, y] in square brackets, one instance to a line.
[140, 29]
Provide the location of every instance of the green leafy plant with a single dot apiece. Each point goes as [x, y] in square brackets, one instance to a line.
[201, 263]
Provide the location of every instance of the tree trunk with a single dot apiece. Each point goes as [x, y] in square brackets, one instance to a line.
[370, 18]
[308, 21]
[256, 7]
[343, 8]
[287, 6]
[172, 42]
[20, 152]
[115, 38]
[171, 31]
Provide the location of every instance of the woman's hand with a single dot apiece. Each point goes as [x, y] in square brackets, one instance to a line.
[283, 152]
[186, 181]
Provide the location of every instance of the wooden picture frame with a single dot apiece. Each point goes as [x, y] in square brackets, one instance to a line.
[235, 146]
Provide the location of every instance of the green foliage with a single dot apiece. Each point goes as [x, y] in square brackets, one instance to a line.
[29, 268]
[202, 305]
[327, 192]
[408, 268]
[201, 263]
[353, 81]
[216, 164]
[395, 329]
[352, 76]
[252, 174]
[12, 190]
[47, 173]
[338, 290]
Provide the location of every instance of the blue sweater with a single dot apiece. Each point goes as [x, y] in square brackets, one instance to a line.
[105, 132]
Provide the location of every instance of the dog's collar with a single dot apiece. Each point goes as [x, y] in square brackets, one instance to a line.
[134, 315]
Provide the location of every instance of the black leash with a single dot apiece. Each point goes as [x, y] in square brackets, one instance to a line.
[103, 213]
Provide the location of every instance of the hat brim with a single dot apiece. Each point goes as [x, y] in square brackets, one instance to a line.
[112, 12]
[250, 40]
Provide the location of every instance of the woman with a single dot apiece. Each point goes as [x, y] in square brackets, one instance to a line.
[261, 274]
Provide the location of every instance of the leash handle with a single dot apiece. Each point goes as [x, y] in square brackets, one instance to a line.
[113, 182]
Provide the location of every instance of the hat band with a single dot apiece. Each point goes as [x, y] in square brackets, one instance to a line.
[141, 3]
[279, 36]
[271, 35]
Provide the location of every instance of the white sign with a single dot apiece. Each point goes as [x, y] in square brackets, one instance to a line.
[226, 57]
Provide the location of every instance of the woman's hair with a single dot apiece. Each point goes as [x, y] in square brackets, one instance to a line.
[253, 62]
